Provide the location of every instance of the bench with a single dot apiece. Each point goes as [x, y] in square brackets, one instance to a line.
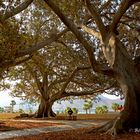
[66, 118]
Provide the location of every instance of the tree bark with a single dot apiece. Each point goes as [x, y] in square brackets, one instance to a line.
[124, 70]
[45, 109]
[128, 78]
[129, 81]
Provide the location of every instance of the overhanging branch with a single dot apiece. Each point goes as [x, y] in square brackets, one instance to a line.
[40, 44]
[71, 76]
[15, 11]
[92, 32]
[21, 61]
[105, 5]
[34, 75]
[12, 63]
[97, 18]
[89, 92]
[81, 93]
[69, 23]
[124, 6]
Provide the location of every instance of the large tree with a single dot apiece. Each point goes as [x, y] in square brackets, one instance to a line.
[53, 74]
[108, 31]
[111, 26]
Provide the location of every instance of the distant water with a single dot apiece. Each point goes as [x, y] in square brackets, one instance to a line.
[79, 105]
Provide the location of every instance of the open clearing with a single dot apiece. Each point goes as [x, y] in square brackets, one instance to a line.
[18, 125]
[8, 124]
[78, 134]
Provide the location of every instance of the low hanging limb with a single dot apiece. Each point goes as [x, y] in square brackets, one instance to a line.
[15, 11]
[73, 28]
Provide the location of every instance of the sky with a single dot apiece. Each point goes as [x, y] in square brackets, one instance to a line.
[5, 98]
[111, 96]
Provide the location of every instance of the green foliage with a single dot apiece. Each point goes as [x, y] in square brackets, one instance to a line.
[66, 110]
[115, 106]
[75, 110]
[1, 109]
[30, 111]
[21, 110]
[87, 105]
[13, 103]
[101, 109]
[105, 108]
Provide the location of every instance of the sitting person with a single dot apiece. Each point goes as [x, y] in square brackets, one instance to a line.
[70, 112]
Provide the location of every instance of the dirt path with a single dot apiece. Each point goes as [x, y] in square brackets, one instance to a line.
[67, 125]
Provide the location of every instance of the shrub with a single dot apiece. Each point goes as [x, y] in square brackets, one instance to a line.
[101, 109]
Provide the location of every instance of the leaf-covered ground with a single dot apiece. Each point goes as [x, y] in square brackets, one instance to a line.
[17, 125]
[79, 134]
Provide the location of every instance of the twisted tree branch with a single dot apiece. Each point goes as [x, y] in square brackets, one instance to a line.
[15, 11]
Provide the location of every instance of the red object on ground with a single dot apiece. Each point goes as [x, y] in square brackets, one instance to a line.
[120, 108]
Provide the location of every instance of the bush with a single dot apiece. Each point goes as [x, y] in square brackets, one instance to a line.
[21, 110]
[66, 110]
[115, 106]
[75, 110]
[101, 109]
[1, 109]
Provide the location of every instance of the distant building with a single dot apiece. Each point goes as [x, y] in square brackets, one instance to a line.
[8, 109]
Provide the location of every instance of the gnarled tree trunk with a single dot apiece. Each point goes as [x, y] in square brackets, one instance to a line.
[128, 77]
[123, 68]
[45, 109]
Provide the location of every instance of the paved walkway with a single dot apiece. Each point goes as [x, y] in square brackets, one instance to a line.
[67, 125]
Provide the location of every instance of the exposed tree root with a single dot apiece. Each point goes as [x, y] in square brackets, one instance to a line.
[113, 128]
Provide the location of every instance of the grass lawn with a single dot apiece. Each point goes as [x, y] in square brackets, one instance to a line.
[4, 116]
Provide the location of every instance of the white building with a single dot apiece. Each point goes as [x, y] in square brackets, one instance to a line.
[8, 109]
